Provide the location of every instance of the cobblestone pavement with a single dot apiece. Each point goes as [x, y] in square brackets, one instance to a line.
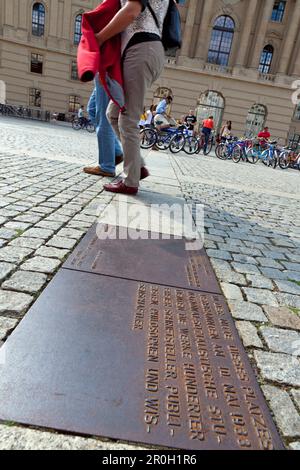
[252, 229]
[252, 226]
[56, 141]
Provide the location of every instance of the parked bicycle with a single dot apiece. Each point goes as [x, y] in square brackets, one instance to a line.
[289, 159]
[229, 150]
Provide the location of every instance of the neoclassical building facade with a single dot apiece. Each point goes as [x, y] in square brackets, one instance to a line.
[38, 48]
[240, 60]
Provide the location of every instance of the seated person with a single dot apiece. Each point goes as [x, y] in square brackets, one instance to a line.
[263, 137]
[162, 120]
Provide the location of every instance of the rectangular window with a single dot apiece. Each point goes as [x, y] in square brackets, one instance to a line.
[36, 63]
[35, 98]
[278, 11]
[74, 71]
[74, 103]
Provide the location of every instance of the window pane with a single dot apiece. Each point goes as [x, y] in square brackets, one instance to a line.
[38, 19]
[221, 41]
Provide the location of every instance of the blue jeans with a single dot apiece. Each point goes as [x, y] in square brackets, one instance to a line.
[207, 133]
[108, 144]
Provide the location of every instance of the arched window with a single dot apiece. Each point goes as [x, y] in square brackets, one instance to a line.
[211, 103]
[160, 94]
[256, 120]
[221, 41]
[77, 29]
[266, 59]
[38, 19]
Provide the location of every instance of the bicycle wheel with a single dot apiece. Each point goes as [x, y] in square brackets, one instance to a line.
[221, 152]
[190, 145]
[76, 125]
[148, 138]
[163, 141]
[90, 128]
[209, 148]
[251, 156]
[237, 154]
[284, 161]
[177, 143]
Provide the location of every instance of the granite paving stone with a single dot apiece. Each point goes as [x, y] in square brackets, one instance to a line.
[43, 234]
[283, 317]
[28, 282]
[14, 254]
[6, 326]
[284, 411]
[261, 296]
[245, 268]
[246, 311]
[269, 263]
[14, 304]
[248, 333]
[231, 291]
[61, 242]
[8, 234]
[21, 438]
[289, 287]
[41, 265]
[278, 368]
[33, 243]
[288, 300]
[288, 266]
[71, 233]
[282, 341]
[259, 282]
[51, 252]
[6, 269]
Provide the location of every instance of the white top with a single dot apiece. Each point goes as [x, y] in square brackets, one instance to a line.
[149, 117]
[145, 22]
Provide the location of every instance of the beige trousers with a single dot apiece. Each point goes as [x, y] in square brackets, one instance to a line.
[143, 64]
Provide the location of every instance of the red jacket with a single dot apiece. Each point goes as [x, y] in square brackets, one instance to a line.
[105, 60]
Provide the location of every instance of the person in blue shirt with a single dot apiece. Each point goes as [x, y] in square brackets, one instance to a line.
[162, 120]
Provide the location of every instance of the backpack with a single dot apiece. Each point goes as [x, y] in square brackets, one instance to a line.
[172, 34]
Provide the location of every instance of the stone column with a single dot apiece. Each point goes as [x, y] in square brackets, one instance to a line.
[53, 18]
[296, 70]
[188, 29]
[67, 20]
[261, 33]
[290, 40]
[246, 34]
[204, 30]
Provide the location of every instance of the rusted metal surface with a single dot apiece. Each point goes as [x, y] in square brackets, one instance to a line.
[166, 262]
[133, 361]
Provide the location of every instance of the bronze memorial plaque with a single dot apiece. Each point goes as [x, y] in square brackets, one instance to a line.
[134, 361]
[158, 261]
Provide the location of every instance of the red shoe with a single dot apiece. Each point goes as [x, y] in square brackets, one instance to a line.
[144, 173]
[120, 188]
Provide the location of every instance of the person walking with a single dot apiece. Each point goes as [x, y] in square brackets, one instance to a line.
[143, 61]
[208, 126]
[110, 150]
